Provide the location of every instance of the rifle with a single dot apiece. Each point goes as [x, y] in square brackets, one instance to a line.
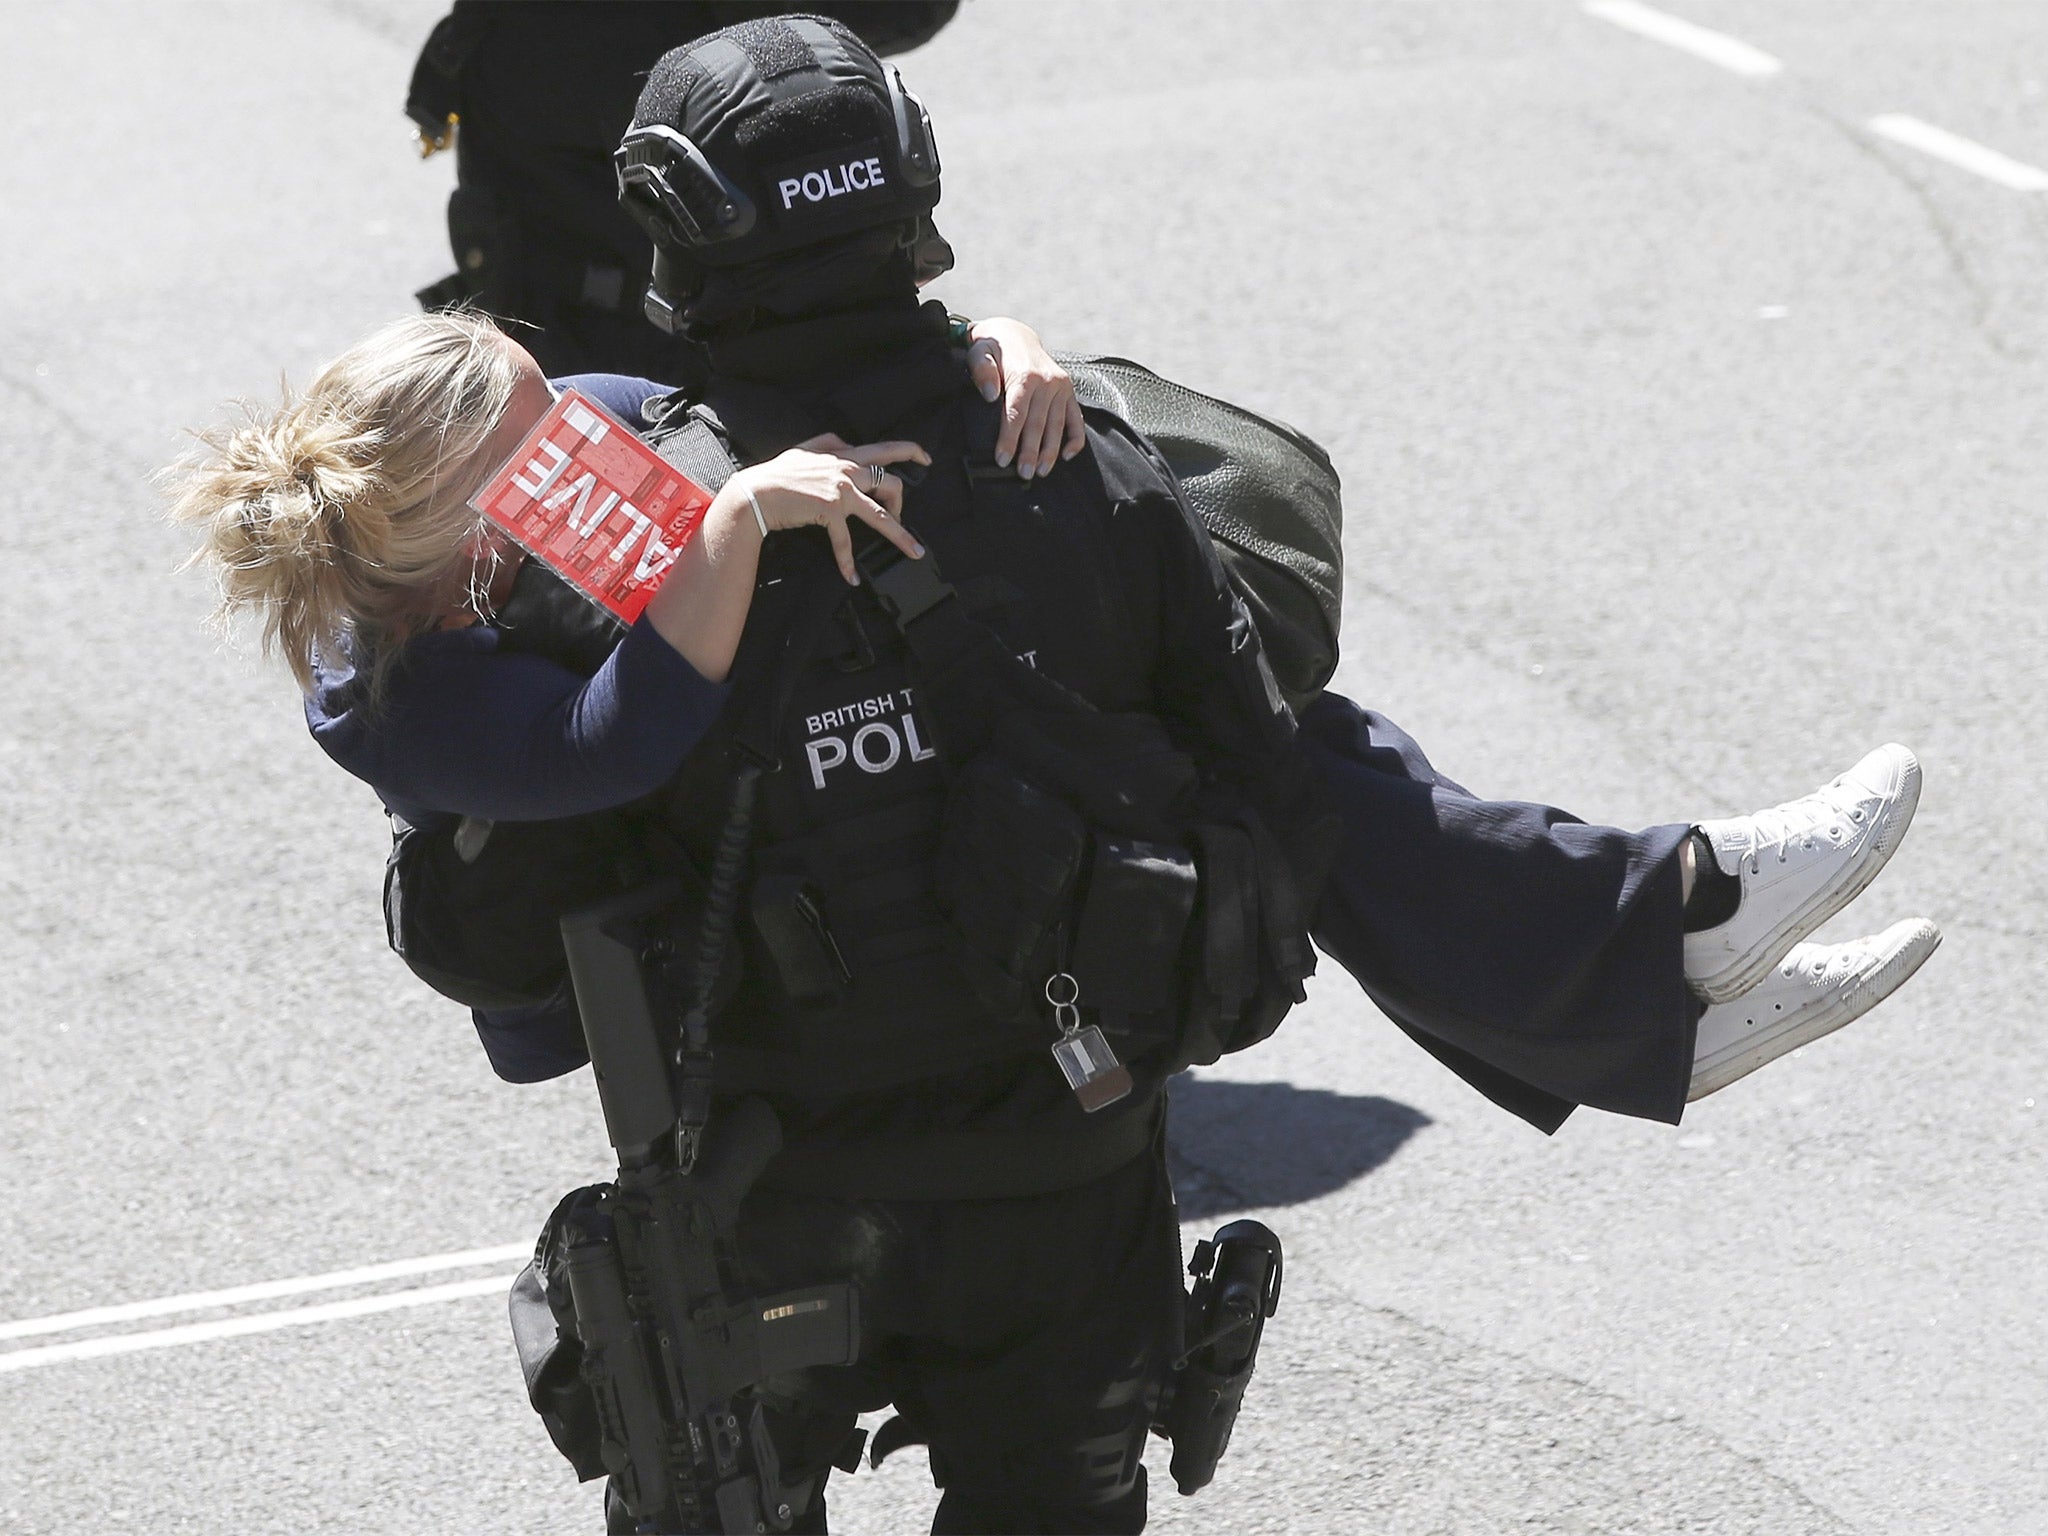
[672, 1356]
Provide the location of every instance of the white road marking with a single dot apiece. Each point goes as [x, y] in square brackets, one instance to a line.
[264, 1290]
[1965, 154]
[1715, 47]
[261, 1322]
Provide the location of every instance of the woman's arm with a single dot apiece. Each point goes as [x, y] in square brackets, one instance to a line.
[466, 728]
[702, 605]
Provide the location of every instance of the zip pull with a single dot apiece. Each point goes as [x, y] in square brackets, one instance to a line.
[1091, 1068]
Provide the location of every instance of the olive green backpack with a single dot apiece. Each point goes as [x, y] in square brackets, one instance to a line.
[1268, 496]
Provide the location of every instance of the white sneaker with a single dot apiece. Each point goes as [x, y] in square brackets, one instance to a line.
[1818, 988]
[1799, 864]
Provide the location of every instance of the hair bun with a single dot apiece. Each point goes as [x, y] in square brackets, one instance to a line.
[343, 512]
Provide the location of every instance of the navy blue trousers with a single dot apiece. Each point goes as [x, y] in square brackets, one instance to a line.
[1538, 957]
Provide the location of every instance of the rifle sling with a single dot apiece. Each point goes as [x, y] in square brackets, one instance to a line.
[965, 670]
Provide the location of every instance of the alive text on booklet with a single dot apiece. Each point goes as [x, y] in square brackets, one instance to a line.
[597, 506]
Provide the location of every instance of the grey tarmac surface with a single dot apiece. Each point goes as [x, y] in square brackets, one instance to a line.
[1693, 444]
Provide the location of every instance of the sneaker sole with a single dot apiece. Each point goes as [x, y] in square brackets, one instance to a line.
[1919, 940]
[1739, 975]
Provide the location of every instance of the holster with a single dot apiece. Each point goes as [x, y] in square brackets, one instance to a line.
[1237, 1287]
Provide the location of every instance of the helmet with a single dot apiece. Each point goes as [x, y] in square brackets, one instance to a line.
[768, 137]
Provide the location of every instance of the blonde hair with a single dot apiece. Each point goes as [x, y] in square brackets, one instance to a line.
[337, 517]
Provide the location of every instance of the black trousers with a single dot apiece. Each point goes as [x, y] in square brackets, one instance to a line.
[1022, 1340]
[1539, 957]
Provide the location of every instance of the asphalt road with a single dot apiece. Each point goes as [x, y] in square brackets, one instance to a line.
[1693, 442]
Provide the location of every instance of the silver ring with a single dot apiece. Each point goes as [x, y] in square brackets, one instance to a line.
[876, 475]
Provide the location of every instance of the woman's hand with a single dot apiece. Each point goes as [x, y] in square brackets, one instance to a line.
[1041, 418]
[701, 606]
[824, 482]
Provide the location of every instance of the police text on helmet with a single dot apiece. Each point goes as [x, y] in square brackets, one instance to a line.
[832, 181]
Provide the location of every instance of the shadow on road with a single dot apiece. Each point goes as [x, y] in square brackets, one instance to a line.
[1241, 1146]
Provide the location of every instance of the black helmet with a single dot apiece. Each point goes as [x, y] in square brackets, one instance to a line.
[767, 137]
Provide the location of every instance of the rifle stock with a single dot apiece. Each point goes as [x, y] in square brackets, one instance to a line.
[605, 944]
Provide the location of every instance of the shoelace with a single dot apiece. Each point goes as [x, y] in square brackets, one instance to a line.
[1799, 821]
[1824, 965]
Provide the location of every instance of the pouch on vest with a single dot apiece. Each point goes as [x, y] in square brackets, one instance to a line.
[1229, 920]
[789, 914]
[1252, 921]
[1051, 778]
[1010, 856]
[1132, 789]
[474, 908]
[1126, 952]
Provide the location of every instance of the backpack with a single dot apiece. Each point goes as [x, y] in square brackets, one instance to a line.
[1269, 497]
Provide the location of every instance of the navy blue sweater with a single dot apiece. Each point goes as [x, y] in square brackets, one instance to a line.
[468, 729]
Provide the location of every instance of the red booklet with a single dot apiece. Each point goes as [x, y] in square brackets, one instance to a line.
[593, 503]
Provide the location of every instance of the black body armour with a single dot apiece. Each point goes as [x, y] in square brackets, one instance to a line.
[924, 857]
[852, 977]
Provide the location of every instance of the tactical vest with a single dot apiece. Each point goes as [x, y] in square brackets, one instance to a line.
[914, 877]
[869, 839]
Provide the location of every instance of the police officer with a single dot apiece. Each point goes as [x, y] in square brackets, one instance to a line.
[1019, 807]
[532, 97]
